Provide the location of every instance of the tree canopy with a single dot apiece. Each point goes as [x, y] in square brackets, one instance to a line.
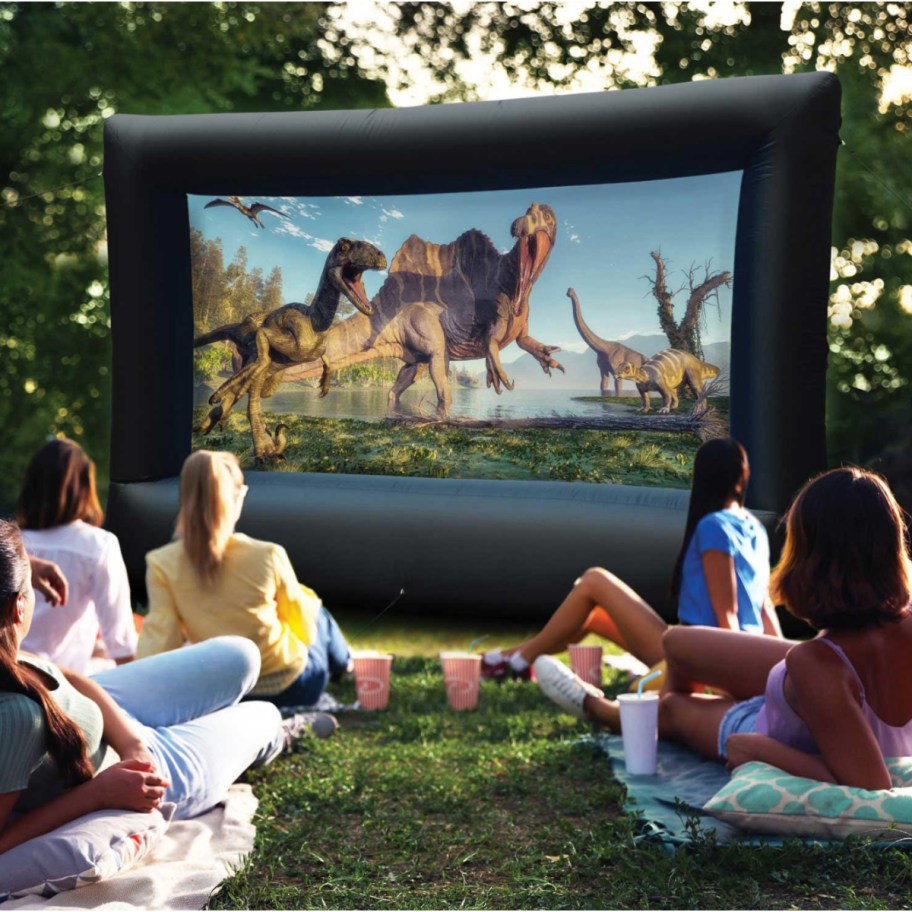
[66, 67]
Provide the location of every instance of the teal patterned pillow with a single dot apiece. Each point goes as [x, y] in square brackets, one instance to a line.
[762, 799]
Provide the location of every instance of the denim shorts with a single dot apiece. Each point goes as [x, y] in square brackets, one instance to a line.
[741, 718]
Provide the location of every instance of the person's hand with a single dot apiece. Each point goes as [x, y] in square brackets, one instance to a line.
[49, 580]
[131, 785]
[740, 749]
[140, 753]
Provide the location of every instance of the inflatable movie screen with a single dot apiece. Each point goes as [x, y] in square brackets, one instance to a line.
[563, 333]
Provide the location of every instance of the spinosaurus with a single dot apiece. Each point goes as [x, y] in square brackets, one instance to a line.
[456, 301]
[289, 335]
[608, 355]
[664, 373]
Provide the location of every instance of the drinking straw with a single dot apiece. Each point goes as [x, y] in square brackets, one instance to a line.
[476, 641]
[646, 680]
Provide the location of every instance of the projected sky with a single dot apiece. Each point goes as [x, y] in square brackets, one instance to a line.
[602, 250]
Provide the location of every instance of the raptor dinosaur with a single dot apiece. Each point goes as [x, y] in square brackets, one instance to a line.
[608, 355]
[458, 301]
[664, 373]
[252, 212]
[289, 335]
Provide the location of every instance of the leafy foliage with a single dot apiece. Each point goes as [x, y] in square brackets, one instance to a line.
[158, 58]
[65, 68]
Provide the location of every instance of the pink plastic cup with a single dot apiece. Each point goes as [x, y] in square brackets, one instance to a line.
[461, 671]
[586, 662]
[372, 679]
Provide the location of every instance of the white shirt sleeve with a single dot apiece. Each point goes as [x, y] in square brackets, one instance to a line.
[111, 595]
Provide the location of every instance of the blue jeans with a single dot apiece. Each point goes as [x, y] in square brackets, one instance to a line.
[329, 654]
[186, 702]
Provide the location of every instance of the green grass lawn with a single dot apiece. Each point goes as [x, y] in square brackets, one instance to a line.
[505, 807]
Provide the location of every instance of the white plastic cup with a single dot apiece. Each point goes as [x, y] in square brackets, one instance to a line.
[372, 679]
[640, 731]
[586, 662]
[461, 671]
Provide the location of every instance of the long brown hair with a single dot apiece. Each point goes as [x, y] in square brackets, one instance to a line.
[59, 487]
[209, 483]
[720, 474]
[845, 562]
[65, 742]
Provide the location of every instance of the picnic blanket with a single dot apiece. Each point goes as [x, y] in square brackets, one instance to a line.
[683, 783]
[181, 871]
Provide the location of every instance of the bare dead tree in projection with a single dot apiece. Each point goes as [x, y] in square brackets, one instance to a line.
[685, 334]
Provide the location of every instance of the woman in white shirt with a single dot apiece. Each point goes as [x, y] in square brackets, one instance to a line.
[60, 516]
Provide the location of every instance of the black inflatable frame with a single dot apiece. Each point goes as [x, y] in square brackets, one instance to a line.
[476, 546]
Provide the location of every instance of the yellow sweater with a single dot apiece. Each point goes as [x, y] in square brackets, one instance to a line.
[255, 595]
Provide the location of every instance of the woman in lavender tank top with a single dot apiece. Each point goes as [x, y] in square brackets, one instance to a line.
[833, 707]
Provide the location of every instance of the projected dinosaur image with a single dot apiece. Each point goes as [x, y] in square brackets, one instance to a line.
[453, 302]
[291, 334]
[414, 371]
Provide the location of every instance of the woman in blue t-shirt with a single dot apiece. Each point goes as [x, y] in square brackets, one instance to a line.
[720, 579]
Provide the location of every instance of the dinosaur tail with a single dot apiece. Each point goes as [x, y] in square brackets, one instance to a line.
[589, 337]
[222, 334]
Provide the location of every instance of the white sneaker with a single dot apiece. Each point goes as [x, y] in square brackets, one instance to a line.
[562, 686]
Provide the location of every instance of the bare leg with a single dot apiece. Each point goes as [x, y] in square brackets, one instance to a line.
[730, 660]
[598, 622]
[694, 720]
[639, 628]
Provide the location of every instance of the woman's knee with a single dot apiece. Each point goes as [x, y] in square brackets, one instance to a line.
[595, 577]
[239, 660]
[674, 641]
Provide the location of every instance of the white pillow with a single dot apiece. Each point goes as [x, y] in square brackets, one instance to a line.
[81, 852]
[763, 799]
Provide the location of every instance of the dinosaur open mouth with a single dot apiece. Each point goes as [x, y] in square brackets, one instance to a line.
[533, 252]
[353, 281]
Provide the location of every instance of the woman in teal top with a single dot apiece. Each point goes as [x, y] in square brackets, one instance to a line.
[168, 728]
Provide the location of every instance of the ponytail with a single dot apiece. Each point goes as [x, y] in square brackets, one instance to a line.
[209, 483]
[65, 742]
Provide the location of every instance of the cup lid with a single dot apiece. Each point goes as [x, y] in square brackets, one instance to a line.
[638, 698]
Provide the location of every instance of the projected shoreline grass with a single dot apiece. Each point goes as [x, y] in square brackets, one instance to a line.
[575, 333]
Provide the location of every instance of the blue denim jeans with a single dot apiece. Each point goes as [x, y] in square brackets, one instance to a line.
[187, 703]
[329, 654]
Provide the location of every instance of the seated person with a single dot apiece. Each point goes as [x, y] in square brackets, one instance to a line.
[60, 518]
[164, 729]
[212, 580]
[720, 577]
[833, 707]
[830, 708]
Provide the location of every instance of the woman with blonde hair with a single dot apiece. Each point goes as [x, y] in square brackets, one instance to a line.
[212, 580]
[61, 518]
